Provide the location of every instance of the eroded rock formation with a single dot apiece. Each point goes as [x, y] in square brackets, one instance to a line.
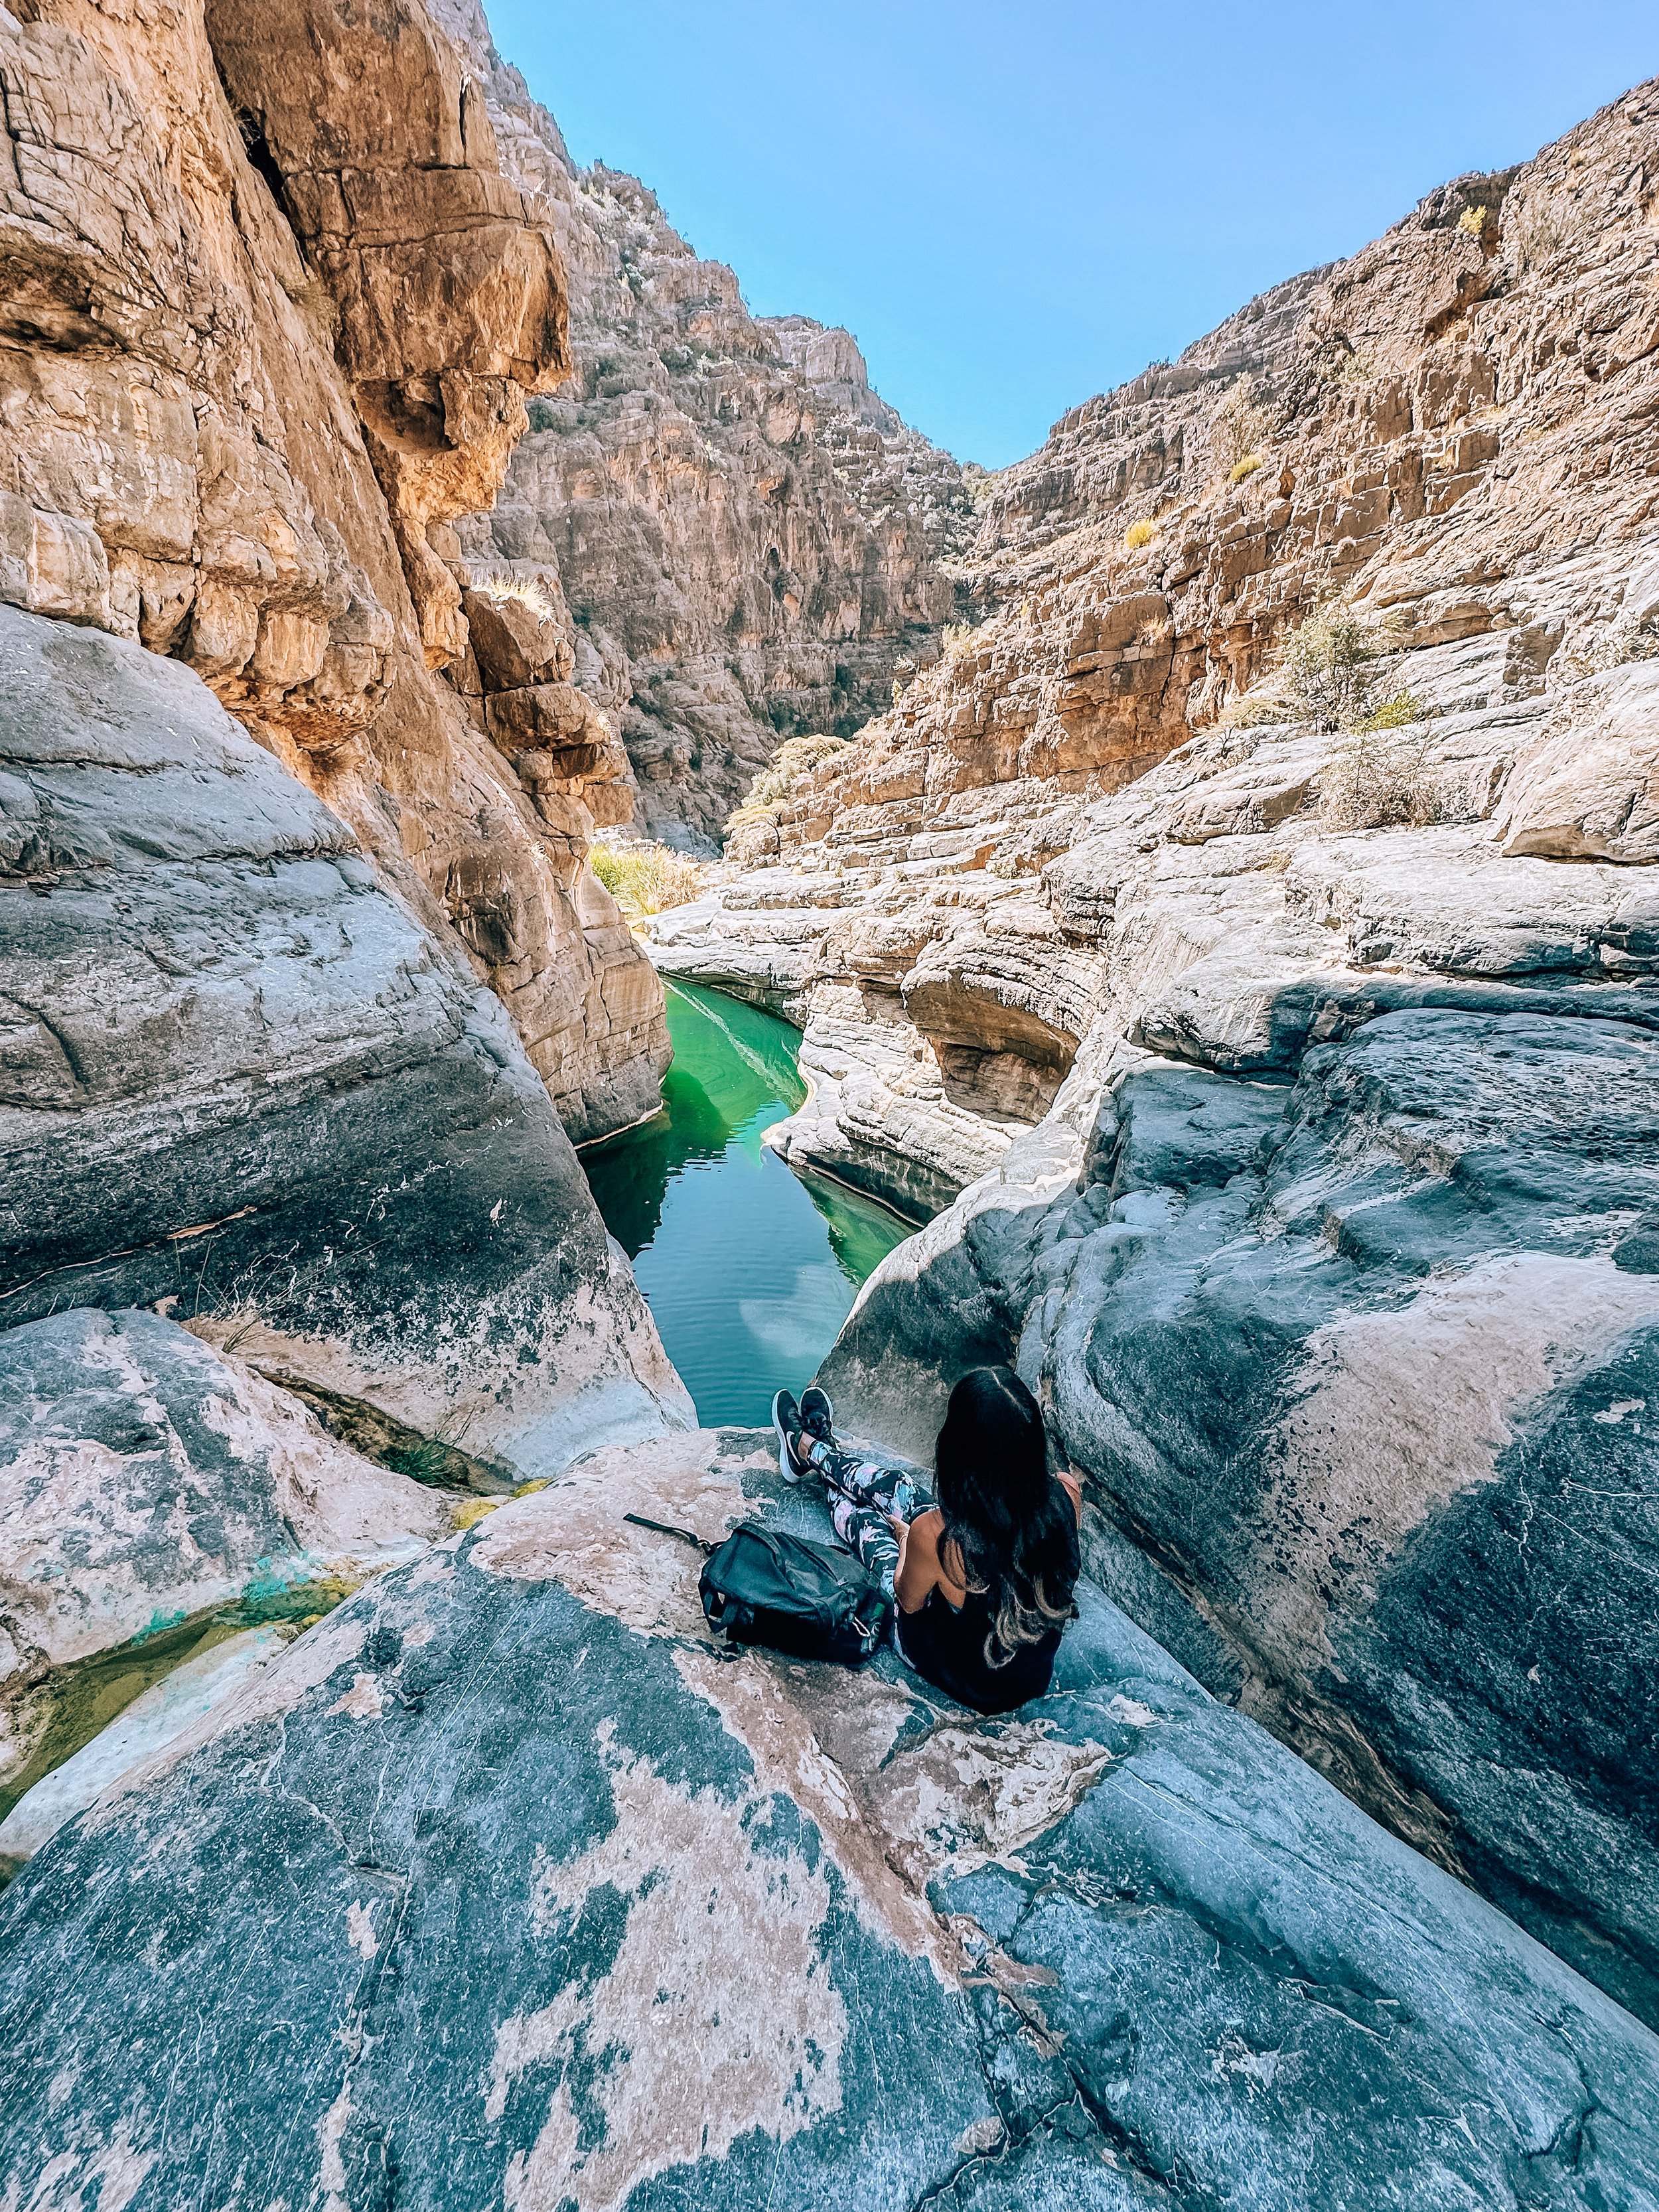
[240, 1077]
[269, 315]
[752, 542]
[1453, 431]
[143, 1478]
[1307, 1072]
[757, 1932]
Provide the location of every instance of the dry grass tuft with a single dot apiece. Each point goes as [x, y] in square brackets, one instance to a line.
[1138, 534]
[1245, 467]
[528, 590]
[646, 878]
[1377, 781]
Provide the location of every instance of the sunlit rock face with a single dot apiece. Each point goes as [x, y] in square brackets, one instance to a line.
[270, 314]
[751, 542]
[556, 1904]
[1000, 862]
[1361, 1368]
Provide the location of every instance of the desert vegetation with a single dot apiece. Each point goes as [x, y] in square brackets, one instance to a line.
[791, 765]
[646, 878]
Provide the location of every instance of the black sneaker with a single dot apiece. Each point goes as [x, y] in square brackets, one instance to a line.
[792, 1436]
[816, 1414]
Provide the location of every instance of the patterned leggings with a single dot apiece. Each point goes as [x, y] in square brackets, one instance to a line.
[862, 1495]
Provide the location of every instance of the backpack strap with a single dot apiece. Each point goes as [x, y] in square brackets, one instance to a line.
[684, 1536]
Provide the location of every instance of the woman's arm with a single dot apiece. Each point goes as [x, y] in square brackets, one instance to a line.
[919, 1571]
[1073, 1490]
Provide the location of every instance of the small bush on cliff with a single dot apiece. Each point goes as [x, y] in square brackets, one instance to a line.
[1138, 534]
[956, 638]
[1331, 669]
[791, 765]
[1247, 467]
[1375, 780]
[1473, 222]
[1330, 672]
[646, 878]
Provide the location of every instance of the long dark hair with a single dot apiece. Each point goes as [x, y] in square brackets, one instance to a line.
[1011, 1525]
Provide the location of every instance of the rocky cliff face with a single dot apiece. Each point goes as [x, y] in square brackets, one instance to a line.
[1303, 1055]
[271, 313]
[751, 543]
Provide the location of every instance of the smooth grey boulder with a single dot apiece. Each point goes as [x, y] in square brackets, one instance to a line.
[1363, 1372]
[503, 1884]
[237, 1075]
[145, 1478]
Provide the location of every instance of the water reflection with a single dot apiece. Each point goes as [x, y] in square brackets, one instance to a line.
[749, 1270]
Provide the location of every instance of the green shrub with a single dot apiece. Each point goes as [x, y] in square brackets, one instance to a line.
[1330, 668]
[1395, 713]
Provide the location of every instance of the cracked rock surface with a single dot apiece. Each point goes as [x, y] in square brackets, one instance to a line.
[502, 1884]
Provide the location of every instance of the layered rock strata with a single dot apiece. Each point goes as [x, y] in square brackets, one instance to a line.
[270, 313]
[1307, 1074]
[241, 1080]
[1454, 433]
[761, 1933]
[751, 542]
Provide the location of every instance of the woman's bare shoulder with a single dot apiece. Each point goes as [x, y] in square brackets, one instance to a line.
[925, 1532]
[1073, 1490]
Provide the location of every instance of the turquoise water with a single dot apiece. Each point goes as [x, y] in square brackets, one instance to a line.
[749, 1269]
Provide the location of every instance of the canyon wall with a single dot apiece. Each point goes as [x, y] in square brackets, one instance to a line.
[751, 543]
[306, 986]
[1286, 1064]
[272, 312]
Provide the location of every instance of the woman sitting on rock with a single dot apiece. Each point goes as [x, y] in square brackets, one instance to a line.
[982, 1581]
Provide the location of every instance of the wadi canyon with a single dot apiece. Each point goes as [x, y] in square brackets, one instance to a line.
[1227, 930]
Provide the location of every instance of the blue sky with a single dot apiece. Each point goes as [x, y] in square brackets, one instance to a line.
[1013, 206]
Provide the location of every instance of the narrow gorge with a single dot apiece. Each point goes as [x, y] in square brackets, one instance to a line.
[1208, 958]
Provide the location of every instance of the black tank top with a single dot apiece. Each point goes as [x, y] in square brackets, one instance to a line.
[948, 1646]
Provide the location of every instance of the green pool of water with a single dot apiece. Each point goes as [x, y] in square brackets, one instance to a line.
[749, 1268]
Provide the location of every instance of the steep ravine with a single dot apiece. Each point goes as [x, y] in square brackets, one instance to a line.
[457, 1863]
[1285, 1089]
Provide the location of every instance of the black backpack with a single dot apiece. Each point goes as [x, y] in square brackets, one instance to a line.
[765, 1586]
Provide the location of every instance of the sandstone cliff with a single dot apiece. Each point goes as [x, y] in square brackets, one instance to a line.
[750, 542]
[1304, 1054]
[271, 314]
